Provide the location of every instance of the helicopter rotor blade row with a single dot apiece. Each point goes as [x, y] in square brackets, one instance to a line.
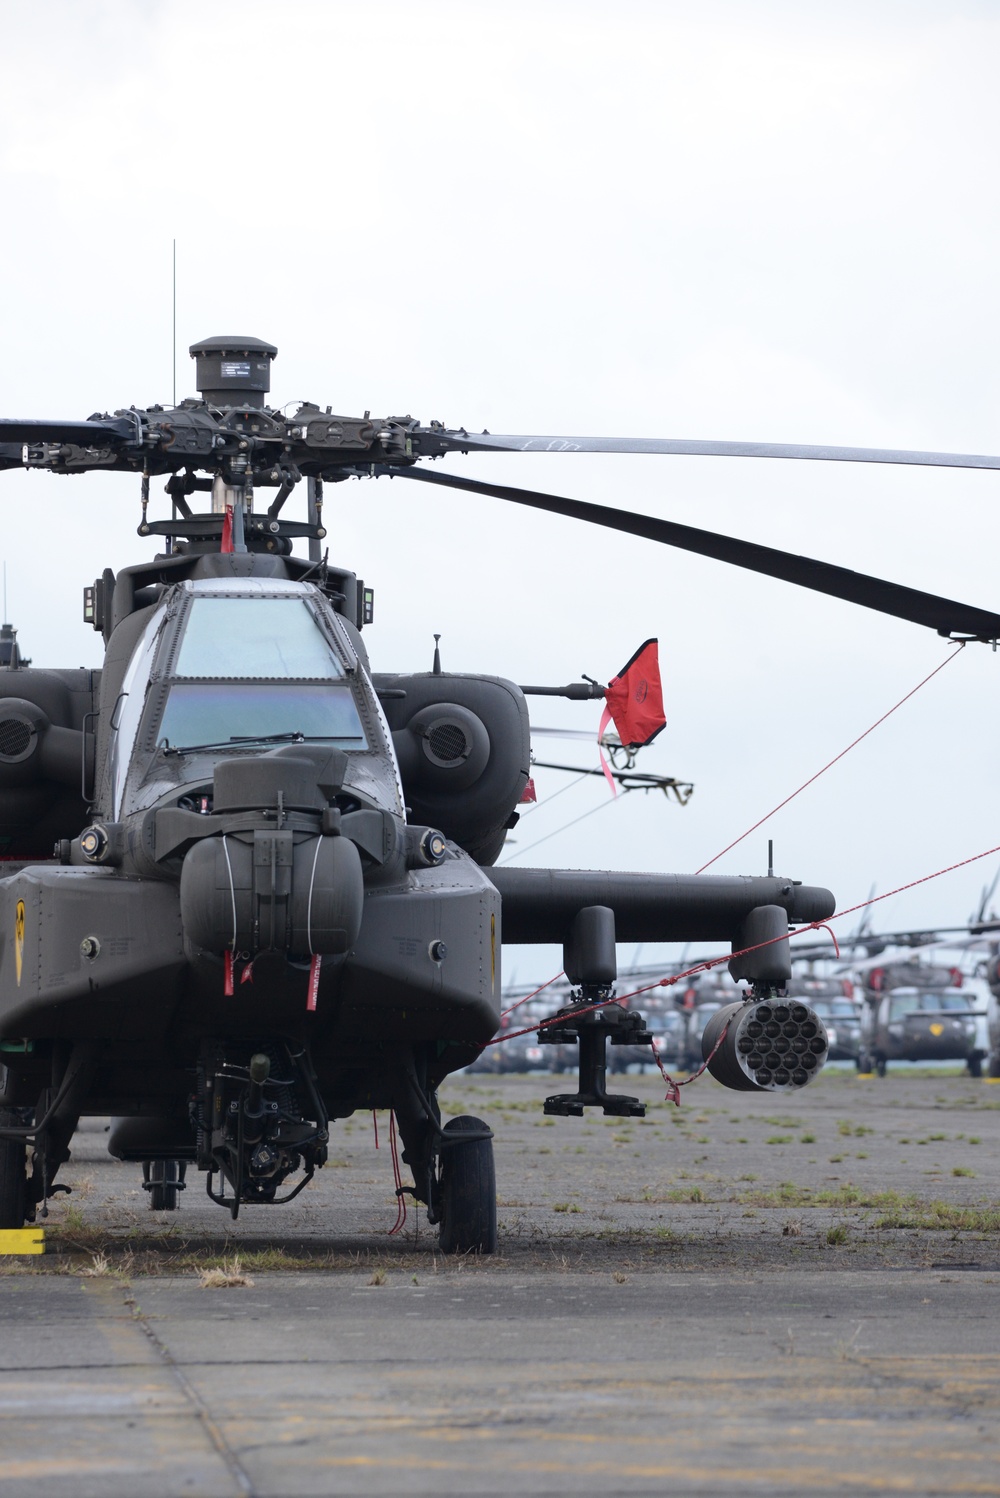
[945, 615]
[490, 442]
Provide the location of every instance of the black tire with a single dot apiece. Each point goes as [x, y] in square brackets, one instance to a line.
[163, 1177]
[975, 1064]
[13, 1180]
[881, 1065]
[993, 1066]
[468, 1191]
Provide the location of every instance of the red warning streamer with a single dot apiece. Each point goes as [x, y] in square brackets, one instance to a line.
[313, 990]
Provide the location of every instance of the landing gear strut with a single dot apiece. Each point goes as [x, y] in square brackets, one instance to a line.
[13, 1177]
[453, 1169]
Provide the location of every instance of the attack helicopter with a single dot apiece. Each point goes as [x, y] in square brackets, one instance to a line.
[251, 882]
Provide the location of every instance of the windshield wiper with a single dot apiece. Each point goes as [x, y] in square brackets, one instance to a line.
[258, 738]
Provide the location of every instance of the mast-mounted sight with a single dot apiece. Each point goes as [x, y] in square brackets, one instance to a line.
[233, 371]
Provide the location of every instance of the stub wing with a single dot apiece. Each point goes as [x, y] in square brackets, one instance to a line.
[540, 905]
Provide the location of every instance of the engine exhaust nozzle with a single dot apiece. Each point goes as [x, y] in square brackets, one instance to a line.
[770, 1045]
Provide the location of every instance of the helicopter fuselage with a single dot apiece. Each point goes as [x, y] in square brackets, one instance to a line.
[272, 897]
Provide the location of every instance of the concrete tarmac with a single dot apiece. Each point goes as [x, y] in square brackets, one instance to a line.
[671, 1311]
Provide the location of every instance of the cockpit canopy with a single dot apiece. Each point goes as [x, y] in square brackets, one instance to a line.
[231, 665]
[282, 675]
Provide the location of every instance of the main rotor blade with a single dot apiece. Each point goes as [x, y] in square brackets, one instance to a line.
[80, 433]
[943, 614]
[11, 455]
[489, 442]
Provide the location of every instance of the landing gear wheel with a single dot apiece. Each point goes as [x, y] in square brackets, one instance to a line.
[13, 1180]
[864, 1064]
[161, 1177]
[881, 1065]
[993, 1067]
[975, 1065]
[468, 1190]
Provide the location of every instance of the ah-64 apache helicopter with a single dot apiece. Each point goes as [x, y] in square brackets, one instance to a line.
[238, 796]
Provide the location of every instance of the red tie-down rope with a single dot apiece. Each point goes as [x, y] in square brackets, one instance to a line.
[806, 783]
[397, 1173]
[673, 1092]
[547, 984]
[711, 962]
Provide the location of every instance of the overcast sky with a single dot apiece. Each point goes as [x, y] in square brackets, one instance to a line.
[758, 220]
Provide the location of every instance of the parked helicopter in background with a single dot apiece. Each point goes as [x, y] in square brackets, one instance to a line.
[914, 1010]
[833, 1000]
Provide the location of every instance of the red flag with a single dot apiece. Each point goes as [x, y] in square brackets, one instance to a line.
[635, 698]
[227, 530]
[529, 793]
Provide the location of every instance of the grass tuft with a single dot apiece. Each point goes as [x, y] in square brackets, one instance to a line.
[918, 1214]
[98, 1268]
[229, 1275]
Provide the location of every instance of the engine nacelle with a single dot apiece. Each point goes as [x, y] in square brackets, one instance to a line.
[33, 748]
[46, 758]
[770, 1045]
[444, 747]
[464, 752]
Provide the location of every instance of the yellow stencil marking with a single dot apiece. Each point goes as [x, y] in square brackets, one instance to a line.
[22, 1240]
[493, 951]
[937, 1029]
[19, 939]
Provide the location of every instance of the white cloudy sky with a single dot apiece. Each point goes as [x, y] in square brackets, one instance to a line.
[761, 220]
